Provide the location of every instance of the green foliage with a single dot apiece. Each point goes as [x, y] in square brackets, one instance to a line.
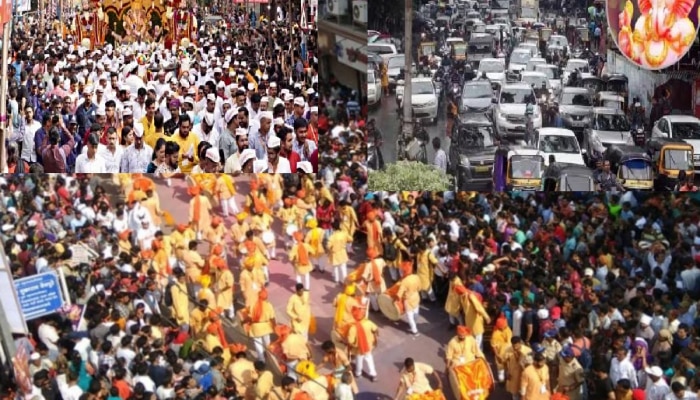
[409, 175]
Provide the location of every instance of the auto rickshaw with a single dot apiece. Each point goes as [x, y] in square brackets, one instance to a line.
[632, 166]
[609, 100]
[427, 49]
[458, 51]
[669, 156]
[592, 83]
[567, 177]
[618, 84]
[517, 168]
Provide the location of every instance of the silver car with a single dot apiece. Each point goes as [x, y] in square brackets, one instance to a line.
[575, 106]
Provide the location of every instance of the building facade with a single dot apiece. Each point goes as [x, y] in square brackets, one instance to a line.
[342, 40]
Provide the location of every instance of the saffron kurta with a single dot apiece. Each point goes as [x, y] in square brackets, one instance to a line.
[426, 263]
[243, 372]
[348, 220]
[474, 313]
[370, 329]
[252, 281]
[337, 248]
[224, 289]
[181, 312]
[409, 291]
[461, 352]
[299, 312]
[264, 325]
[204, 212]
[300, 268]
[511, 358]
[534, 383]
[453, 305]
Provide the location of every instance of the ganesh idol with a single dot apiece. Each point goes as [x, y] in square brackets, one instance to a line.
[91, 23]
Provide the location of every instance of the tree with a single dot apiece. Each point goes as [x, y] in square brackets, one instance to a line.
[409, 175]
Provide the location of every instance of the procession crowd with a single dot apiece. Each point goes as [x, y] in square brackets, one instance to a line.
[240, 96]
[578, 296]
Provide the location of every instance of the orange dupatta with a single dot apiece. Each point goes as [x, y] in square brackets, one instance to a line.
[258, 307]
[194, 191]
[362, 339]
[376, 275]
[302, 253]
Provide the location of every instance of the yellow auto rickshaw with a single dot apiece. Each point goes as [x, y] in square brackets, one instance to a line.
[670, 157]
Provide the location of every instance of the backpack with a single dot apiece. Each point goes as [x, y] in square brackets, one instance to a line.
[168, 296]
[585, 358]
[390, 252]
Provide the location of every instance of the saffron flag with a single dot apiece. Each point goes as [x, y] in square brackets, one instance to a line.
[5, 11]
[472, 381]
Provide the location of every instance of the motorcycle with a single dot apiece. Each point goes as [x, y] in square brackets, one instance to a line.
[639, 136]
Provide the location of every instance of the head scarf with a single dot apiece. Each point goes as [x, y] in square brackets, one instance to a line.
[463, 330]
[363, 344]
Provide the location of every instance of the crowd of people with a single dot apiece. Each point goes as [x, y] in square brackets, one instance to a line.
[240, 97]
[578, 296]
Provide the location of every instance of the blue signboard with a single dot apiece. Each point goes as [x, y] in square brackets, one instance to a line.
[39, 295]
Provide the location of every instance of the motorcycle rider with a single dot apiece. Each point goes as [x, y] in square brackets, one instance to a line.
[607, 181]
[637, 117]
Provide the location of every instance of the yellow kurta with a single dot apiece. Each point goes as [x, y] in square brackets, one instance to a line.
[252, 281]
[317, 389]
[191, 142]
[370, 329]
[215, 235]
[153, 206]
[299, 268]
[461, 352]
[265, 325]
[409, 291]
[264, 385]
[500, 339]
[474, 313]
[224, 186]
[511, 359]
[211, 341]
[299, 312]
[314, 238]
[198, 318]
[288, 215]
[181, 311]
[453, 305]
[296, 348]
[274, 184]
[368, 276]
[208, 295]
[350, 303]
[426, 272]
[224, 289]
[337, 247]
[243, 372]
[534, 383]
[238, 231]
[204, 212]
[193, 265]
[417, 382]
[348, 220]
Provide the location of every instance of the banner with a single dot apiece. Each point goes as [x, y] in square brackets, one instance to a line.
[5, 11]
[20, 366]
[472, 381]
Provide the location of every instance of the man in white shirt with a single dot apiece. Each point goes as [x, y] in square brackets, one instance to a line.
[276, 164]
[622, 368]
[657, 388]
[49, 336]
[138, 155]
[112, 153]
[679, 392]
[30, 128]
[206, 130]
[440, 161]
[89, 162]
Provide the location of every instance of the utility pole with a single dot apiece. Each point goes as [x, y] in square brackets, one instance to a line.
[407, 127]
[4, 123]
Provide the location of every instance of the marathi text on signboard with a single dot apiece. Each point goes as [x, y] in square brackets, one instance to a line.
[39, 295]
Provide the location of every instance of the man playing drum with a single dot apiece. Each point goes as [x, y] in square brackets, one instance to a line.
[414, 378]
[374, 277]
[462, 348]
[409, 294]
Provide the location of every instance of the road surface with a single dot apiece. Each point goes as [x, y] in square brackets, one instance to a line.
[387, 120]
[395, 344]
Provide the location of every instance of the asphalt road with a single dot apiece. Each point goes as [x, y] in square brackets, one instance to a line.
[387, 120]
[395, 344]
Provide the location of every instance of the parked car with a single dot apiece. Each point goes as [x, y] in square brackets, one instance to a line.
[374, 89]
[424, 101]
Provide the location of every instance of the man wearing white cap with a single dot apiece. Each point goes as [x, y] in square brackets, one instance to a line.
[277, 164]
[233, 163]
[258, 139]
[657, 387]
[297, 111]
[247, 159]
[227, 138]
[206, 131]
[305, 167]
[138, 155]
[212, 161]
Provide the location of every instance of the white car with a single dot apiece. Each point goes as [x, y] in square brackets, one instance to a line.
[535, 79]
[374, 89]
[394, 64]
[684, 127]
[559, 40]
[424, 101]
[384, 50]
[495, 69]
[608, 127]
[560, 143]
[534, 62]
[518, 59]
[509, 112]
[532, 47]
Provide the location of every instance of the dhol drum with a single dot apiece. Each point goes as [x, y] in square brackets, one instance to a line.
[268, 237]
[390, 305]
[291, 229]
[472, 380]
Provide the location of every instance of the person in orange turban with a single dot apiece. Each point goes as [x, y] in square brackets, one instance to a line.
[262, 318]
[199, 210]
[237, 348]
[500, 340]
[375, 236]
[462, 348]
[362, 337]
[181, 228]
[300, 257]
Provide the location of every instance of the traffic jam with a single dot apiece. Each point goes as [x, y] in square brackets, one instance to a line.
[520, 100]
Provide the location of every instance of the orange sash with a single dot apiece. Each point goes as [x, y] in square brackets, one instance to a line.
[197, 209]
[257, 311]
[362, 339]
[376, 274]
[250, 247]
[303, 254]
[258, 204]
[221, 334]
[375, 232]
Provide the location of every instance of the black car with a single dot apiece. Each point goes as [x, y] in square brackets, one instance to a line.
[472, 152]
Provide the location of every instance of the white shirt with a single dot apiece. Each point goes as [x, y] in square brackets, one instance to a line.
[146, 381]
[517, 321]
[120, 224]
[145, 236]
[112, 160]
[73, 393]
[656, 390]
[212, 137]
[136, 160]
[84, 165]
[49, 336]
[440, 160]
[283, 166]
[688, 395]
[28, 150]
[623, 370]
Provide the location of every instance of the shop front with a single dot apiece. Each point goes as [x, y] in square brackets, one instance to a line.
[343, 54]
